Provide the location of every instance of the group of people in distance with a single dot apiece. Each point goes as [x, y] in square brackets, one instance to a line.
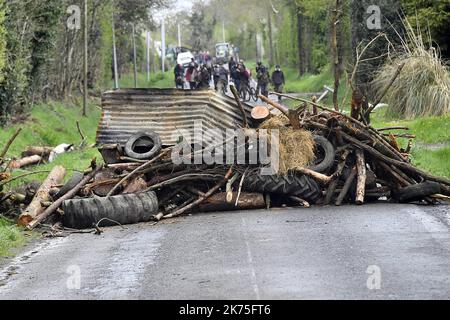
[198, 75]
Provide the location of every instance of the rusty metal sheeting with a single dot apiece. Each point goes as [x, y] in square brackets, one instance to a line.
[165, 111]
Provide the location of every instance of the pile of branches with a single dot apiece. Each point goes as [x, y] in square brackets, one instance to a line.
[369, 163]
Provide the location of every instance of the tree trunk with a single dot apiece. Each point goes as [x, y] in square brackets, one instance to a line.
[269, 22]
[300, 43]
[43, 194]
[247, 201]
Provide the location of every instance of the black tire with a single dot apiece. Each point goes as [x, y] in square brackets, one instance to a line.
[328, 154]
[125, 209]
[417, 192]
[146, 140]
[73, 181]
[291, 184]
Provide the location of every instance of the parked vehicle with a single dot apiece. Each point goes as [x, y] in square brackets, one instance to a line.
[184, 58]
[223, 52]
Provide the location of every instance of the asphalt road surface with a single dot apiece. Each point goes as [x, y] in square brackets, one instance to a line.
[379, 251]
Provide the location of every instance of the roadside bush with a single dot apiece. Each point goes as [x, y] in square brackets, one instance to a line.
[423, 86]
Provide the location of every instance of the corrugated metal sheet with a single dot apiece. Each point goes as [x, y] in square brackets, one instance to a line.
[165, 111]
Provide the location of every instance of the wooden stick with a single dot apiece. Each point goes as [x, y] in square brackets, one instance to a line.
[8, 144]
[393, 128]
[238, 101]
[316, 175]
[181, 178]
[69, 195]
[346, 188]
[330, 191]
[361, 178]
[201, 199]
[135, 171]
[389, 85]
[283, 109]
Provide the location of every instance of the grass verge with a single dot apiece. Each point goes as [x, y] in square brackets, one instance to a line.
[48, 125]
[11, 236]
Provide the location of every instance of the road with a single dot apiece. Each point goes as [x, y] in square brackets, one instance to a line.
[379, 251]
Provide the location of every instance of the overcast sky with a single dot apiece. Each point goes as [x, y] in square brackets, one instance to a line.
[176, 6]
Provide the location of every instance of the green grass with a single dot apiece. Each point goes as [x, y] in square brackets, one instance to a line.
[427, 129]
[48, 125]
[10, 237]
[434, 161]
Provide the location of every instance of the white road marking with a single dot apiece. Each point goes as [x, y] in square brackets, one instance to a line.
[250, 262]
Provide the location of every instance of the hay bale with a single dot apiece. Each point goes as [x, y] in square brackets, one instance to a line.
[296, 146]
[277, 122]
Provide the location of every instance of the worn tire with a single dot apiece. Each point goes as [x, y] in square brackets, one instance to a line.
[291, 184]
[150, 137]
[329, 155]
[417, 192]
[125, 209]
[72, 183]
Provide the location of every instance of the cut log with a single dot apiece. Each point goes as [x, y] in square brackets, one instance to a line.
[260, 113]
[417, 191]
[361, 178]
[247, 201]
[35, 208]
[44, 152]
[27, 161]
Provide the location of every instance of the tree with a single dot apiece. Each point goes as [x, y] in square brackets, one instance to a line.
[2, 38]
[432, 16]
[364, 29]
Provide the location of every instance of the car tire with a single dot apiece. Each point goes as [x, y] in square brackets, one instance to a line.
[149, 139]
[329, 154]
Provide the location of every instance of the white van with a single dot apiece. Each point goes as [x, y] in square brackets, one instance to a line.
[185, 58]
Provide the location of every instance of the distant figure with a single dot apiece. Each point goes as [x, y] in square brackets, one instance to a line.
[278, 80]
[204, 77]
[179, 75]
[263, 78]
[231, 63]
[234, 73]
[191, 74]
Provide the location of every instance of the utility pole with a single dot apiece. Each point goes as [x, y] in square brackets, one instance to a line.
[179, 35]
[163, 44]
[223, 30]
[148, 56]
[85, 60]
[116, 73]
[134, 58]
